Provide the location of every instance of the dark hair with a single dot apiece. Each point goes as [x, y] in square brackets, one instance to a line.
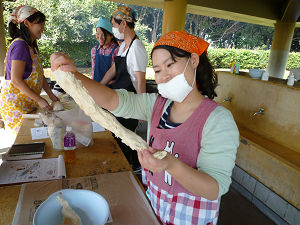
[105, 32]
[23, 32]
[206, 77]
[118, 21]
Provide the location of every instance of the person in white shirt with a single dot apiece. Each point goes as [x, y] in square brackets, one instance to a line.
[129, 69]
[132, 56]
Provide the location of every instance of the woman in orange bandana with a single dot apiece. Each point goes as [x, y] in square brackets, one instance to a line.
[24, 75]
[200, 136]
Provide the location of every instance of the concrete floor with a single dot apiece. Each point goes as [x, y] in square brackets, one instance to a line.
[235, 209]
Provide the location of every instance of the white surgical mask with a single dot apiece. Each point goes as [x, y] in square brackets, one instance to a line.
[177, 88]
[117, 33]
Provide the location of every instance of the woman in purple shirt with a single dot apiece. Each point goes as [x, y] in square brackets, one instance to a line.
[24, 75]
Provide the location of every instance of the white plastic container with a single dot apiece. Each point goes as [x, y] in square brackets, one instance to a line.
[56, 133]
[291, 79]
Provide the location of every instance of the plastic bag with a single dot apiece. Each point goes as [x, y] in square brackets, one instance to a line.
[81, 125]
[55, 128]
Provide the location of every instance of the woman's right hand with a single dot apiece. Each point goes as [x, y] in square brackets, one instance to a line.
[63, 62]
[44, 104]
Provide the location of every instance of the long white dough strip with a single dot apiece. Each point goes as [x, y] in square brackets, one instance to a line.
[79, 93]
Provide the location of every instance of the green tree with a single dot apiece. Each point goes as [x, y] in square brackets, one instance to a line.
[69, 26]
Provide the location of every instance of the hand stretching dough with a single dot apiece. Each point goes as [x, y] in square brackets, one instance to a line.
[74, 87]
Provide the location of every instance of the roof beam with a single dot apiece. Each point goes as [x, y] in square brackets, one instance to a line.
[291, 12]
[204, 11]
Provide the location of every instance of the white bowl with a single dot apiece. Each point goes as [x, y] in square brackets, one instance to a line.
[256, 73]
[92, 208]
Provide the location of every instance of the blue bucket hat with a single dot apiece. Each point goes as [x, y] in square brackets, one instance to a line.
[105, 24]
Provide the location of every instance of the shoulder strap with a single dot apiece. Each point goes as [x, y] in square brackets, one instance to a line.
[97, 49]
[112, 51]
[158, 109]
[130, 45]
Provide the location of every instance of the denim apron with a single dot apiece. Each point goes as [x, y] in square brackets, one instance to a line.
[102, 64]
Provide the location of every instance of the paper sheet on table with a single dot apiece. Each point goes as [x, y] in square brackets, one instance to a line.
[127, 202]
[97, 127]
[32, 170]
[39, 133]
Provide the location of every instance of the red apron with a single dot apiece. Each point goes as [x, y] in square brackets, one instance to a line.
[172, 203]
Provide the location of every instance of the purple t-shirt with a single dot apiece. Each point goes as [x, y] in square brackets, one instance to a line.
[19, 50]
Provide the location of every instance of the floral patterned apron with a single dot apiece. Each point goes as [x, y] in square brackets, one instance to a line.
[13, 102]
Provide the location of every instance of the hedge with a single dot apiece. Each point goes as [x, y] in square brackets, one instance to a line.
[249, 59]
[80, 52]
[220, 58]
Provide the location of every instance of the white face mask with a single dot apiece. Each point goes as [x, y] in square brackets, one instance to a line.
[117, 33]
[177, 88]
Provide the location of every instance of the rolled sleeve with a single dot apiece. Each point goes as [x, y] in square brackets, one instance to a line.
[20, 51]
[138, 56]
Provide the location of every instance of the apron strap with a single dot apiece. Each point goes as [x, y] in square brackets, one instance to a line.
[112, 51]
[130, 45]
[97, 50]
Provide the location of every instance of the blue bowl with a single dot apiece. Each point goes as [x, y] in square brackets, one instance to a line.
[91, 207]
[256, 73]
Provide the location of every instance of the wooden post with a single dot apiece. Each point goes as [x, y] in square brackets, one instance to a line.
[280, 49]
[174, 15]
[2, 41]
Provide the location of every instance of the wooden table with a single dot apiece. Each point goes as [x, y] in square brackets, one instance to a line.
[104, 156]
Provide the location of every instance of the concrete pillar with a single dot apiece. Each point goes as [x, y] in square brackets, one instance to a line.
[280, 49]
[2, 41]
[174, 15]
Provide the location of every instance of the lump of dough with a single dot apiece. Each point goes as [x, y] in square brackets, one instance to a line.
[57, 106]
[70, 217]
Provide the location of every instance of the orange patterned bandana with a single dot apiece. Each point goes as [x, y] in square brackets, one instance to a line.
[124, 13]
[184, 41]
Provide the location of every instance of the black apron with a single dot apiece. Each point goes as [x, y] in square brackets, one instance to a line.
[122, 78]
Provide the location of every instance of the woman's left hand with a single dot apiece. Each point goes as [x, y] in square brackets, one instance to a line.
[155, 165]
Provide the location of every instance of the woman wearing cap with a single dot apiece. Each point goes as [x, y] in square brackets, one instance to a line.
[24, 75]
[104, 52]
[200, 136]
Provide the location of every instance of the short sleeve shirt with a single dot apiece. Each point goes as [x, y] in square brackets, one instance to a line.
[18, 50]
[137, 59]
